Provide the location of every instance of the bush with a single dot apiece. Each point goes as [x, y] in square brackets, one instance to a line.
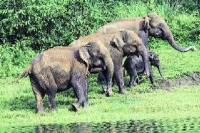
[29, 27]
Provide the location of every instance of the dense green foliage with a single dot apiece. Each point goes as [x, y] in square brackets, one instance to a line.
[29, 27]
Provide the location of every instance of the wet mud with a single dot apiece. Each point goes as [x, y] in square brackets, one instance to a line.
[187, 79]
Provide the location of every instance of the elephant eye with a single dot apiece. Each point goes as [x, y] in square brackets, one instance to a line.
[160, 25]
[100, 55]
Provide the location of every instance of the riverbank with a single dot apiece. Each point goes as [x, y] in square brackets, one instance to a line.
[141, 102]
[158, 104]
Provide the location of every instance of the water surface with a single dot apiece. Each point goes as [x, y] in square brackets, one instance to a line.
[142, 126]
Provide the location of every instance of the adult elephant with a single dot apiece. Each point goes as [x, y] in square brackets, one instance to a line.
[60, 68]
[151, 25]
[119, 44]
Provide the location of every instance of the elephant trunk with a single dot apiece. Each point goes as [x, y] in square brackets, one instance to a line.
[160, 72]
[175, 46]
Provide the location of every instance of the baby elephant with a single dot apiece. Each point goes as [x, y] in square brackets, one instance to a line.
[60, 68]
[134, 65]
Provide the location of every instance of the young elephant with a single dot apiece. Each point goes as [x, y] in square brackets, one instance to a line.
[134, 65]
[60, 68]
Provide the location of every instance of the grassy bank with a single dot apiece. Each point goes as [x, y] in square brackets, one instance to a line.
[140, 102]
[175, 104]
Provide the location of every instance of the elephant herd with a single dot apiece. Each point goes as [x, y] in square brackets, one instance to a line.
[62, 67]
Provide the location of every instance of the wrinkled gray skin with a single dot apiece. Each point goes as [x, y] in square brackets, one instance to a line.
[60, 68]
[134, 66]
[151, 25]
[119, 45]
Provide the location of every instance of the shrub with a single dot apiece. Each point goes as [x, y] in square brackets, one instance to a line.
[29, 27]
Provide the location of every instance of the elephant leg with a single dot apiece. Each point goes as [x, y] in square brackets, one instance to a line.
[101, 78]
[133, 74]
[145, 57]
[80, 86]
[39, 95]
[109, 83]
[132, 81]
[118, 75]
[120, 81]
[85, 103]
[51, 87]
[144, 37]
[51, 96]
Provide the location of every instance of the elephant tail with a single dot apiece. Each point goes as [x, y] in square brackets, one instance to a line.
[25, 73]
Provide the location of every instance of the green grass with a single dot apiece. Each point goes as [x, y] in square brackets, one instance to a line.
[139, 103]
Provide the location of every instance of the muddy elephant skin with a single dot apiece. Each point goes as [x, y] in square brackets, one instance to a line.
[119, 45]
[60, 68]
[152, 25]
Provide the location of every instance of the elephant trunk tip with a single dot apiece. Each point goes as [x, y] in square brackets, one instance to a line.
[193, 48]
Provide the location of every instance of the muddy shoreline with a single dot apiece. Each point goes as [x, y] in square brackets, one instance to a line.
[186, 79]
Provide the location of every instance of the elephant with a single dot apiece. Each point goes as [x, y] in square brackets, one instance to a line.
[119, 45]
[134, 65]
[150, 25]
[59, 68]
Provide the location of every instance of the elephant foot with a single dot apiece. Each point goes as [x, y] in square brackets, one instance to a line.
[85, 104]
[75, 106]
[53, 109]
[132, 84]
[122, 91]
[147, 73]
[40, 111]
[109, 92]
[106, 91]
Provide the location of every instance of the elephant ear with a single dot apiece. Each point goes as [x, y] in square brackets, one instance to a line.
[83, 53]
[146, 23]
[117, 41]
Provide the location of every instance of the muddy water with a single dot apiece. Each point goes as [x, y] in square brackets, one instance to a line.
[176, 125]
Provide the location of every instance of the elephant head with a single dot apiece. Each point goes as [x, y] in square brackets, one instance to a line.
[157, 27]
[128, 42]
[154, 60]
[95, 55]
[129, 50]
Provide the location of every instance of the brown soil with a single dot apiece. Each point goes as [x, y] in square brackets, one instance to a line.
[182, 80]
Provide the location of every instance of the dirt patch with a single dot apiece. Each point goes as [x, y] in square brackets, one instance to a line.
[187, 79]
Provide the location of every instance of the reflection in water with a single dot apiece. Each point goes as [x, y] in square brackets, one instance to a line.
[177, 125]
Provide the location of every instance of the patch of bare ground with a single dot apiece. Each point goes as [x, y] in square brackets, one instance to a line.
[186, 79]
